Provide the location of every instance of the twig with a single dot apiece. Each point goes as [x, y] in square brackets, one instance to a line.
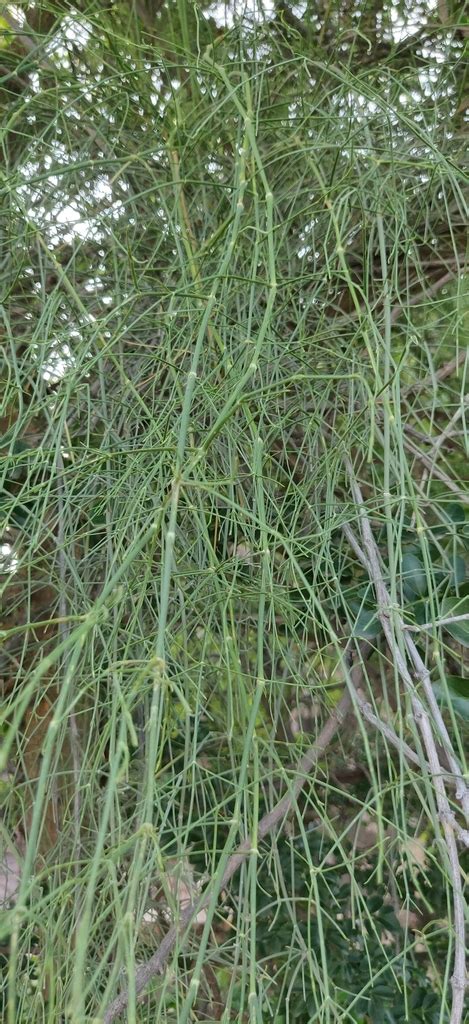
[385, 611]
[64, 630]
[188, 233]
[438, 622]
[156, 964]
[423, 438]
[426, 293]
[429, 463]
[366, 710]
[391, 622]
[439, 441]
[400, 307]
[448, 368]
[447, 432]
[399, 744]
[442, 373]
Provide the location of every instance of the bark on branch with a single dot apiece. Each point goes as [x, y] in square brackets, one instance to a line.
[267, 825]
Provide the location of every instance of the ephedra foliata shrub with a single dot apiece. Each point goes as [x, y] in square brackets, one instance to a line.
[234, 512]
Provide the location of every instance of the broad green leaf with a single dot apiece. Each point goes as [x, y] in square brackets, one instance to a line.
[455, 512]
[456, 606]
[367, 625]
[459, 570]
[458, 689]
[413, 575]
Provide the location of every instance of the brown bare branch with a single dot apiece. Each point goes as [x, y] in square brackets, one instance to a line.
[398, 640]
[427, 293]
[267, 825]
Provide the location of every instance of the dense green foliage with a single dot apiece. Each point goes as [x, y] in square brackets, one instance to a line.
[234, 325]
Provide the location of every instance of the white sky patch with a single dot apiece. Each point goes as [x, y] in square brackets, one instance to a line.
[258, 10]
[34, 82]
[408, 26]
[93, 284]
[17, 13]
[223, 14]
[8, 560]
[67, 223]
[70, 217]
[57, 363]
[157, 81]
[73, 32]
[77, 32]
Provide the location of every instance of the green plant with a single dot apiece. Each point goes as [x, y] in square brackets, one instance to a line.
[234, 505]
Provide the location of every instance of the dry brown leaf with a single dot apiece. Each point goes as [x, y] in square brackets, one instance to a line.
[176, 890]
[183, 887]
[415, 850]
[365, 835]
[410, 920]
